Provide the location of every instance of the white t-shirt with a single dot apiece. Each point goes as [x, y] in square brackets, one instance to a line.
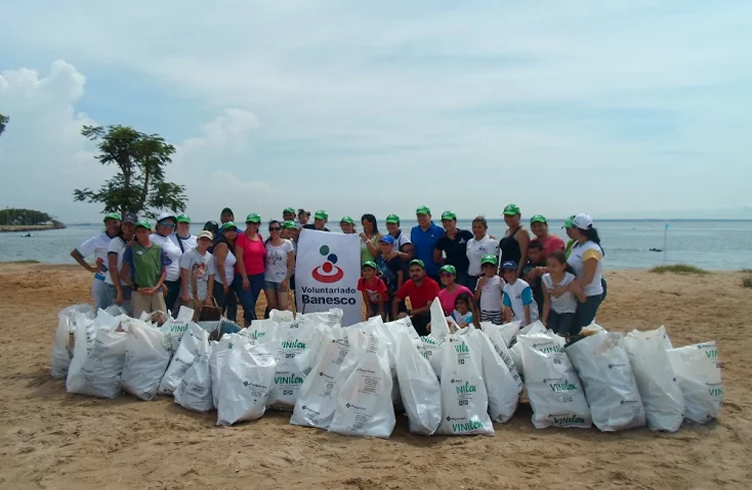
[567, 302]
[276, 261]
[188, 243]
[577, 258]
[229, 267]
[517, 296]
[200, 266]
[173, 253]
[400, 241]
[117, 247]
[491, 294]
[476, 249]
[97, 246]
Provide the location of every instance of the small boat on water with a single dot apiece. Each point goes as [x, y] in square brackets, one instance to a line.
[27, 235]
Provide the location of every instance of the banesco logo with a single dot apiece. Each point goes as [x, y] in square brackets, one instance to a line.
[327, 272]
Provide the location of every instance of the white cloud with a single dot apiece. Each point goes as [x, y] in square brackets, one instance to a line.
[640, 106]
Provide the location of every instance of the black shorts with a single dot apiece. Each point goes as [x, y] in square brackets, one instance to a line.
[563, 323]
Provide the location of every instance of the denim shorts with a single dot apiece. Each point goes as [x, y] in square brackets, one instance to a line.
[275, 286]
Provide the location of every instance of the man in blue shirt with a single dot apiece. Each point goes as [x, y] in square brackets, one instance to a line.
[424, 238]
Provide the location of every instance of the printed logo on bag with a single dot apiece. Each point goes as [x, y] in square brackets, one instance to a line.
[563, 386]
[573, 419]
[288, 380]
[464, 425]
[328, 272]
[295, 344]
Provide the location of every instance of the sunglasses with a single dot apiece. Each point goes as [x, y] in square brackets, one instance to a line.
[167, 224]
[274, 228]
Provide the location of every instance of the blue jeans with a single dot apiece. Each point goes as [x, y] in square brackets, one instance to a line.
[248, 298]
[226, 301]
[586, 312]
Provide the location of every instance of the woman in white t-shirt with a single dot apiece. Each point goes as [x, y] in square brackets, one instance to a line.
[166, 224]
[97, 246]
[560, 308]
[118, 286]
[586, 259]
[280, 264]
[477, 248]
[224, 267]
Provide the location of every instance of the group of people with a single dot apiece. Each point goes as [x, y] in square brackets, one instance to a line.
[477, 277]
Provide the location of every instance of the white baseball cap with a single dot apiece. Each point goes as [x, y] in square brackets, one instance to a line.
[165, 216]
[205, 234]
[582, 221]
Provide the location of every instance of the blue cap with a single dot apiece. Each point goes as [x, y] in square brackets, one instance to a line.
[509, 265]
[387, 239]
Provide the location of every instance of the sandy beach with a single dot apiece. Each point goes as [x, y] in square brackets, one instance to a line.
[52, 440]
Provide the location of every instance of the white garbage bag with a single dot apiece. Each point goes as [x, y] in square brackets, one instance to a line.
[294, 349]
[247, 377]
[553, 387]
[317, 400]
[262, 331]
[97, 363]
[494, 333]
[147, 355]
[330, 318]
[217, 359]
[509, 332]
[656, 381]
[515, 352]
[698, 370]
[419, 387]
[439, 326]
[194, 341]
[195, 389]
[62, 351]
[173, 329]
[502, 389]
[610, 387]
[464, 400]
[364, 404]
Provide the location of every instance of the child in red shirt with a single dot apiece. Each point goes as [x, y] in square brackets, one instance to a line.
[373, 289]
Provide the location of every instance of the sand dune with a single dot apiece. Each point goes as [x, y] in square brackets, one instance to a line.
[49, 439]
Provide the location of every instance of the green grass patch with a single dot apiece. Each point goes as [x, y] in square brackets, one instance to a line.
[678, 269]
[747, 271]
[21, 262]
[747, 282]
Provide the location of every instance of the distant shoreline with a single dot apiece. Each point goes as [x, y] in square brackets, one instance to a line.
[26, 228]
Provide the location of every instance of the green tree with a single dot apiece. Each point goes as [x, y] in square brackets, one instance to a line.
[139, 186]
[16, 216]
[3, 122]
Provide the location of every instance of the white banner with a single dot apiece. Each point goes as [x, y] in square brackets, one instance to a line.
[327, 270]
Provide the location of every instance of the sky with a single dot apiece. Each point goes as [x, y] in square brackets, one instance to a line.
[619, 109]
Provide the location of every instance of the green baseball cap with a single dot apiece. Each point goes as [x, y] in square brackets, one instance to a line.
[538, 218]
[393, 219]
[289, 210]
[418, 262]
[448, 215]
[229, 224]
[511, 210]
[184, 218]
[450, 269]
[489, 259]
[144, 224]
[253, 218]
[348, 220]
[423, 210]
[289, 225]
[568, 223]
[112, 216]
[321, 214]
[369, 263]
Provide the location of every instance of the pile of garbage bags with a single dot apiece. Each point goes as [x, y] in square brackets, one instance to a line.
[355, 380]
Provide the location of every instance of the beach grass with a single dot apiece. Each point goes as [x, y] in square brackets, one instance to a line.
[747, 282]
[747, 271]
[20, 262]
[678, 269]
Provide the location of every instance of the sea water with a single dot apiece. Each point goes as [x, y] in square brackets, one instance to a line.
[711, 244]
